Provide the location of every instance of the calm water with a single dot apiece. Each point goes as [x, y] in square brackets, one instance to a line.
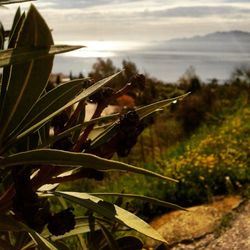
[165, 65]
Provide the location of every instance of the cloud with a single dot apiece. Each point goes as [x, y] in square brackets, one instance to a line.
[76, 3]
[236, 1]
[200, 11]
[138, 19]
[86, 3]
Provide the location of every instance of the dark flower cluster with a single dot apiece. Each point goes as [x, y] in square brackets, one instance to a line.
[129, 128]
[101, 95]
[62, 222]
[35, 211]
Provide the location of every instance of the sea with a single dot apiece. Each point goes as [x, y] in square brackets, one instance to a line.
[164, 65]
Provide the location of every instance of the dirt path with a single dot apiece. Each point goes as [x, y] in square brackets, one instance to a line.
[221, 225]
[232, 234]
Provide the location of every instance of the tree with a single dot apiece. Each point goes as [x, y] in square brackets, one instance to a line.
[190, 82]
[102, 68]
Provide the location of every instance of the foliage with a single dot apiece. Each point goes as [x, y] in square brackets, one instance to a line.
[215, 164]
[164, 142]
[44, 139]
[213, 161]
[153, 89]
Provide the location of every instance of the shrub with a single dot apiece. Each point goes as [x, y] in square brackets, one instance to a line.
[44, 140]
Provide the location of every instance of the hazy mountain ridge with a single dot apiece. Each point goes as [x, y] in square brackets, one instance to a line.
[235, 41]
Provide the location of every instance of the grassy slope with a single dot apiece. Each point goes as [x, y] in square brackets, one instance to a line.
[213, 161]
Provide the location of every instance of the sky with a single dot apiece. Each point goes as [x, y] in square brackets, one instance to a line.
[137, 20]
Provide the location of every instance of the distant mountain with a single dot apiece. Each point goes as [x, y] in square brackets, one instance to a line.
[230, 41]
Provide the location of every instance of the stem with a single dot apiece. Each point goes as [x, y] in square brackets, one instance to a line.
[73, 119]
[6, 198]
[100, 107]
[78, 147]
[44, 175]
[122, 91]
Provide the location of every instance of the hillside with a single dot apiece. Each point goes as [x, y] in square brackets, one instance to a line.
[214, 161]
[232, 41]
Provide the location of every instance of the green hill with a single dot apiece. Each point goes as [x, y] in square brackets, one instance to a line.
[215, 161]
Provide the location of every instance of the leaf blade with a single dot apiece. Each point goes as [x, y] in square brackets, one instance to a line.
[8, 223]
[21, 93]
[65, 158]
[19, 55]
[142, 112]
[151, 108]
[112, 212]
[50, 102]
[83, 95]
[41, 242]
[152, 200]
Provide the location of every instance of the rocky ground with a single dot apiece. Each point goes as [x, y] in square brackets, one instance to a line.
[224, 225]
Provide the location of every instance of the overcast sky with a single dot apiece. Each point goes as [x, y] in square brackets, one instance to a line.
[138, 20]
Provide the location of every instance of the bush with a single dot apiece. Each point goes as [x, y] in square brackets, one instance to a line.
[44, 140]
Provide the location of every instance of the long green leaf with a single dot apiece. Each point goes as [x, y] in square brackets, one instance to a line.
[81, 227]
[41, 242]
[72, 130]
[27, 54]
[109, 237]
[105, 136]
[152, 108]
[78, 98]
[127, 243]
[2, 38]
[143, 198]
[8, 223]
[80, 120]
[17, 24]
[65, 158]
[27, 80]
[51, 102]
[44, 134]
[142, 112]
[60, 136]
[111, 212]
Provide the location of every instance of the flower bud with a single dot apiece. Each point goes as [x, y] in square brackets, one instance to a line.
[129, 129]
[101, 95]
[62, 222]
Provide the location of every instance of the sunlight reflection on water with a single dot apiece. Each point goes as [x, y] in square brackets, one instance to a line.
[101, 48]
[163, 63]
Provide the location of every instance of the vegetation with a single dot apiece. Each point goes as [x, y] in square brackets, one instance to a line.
[216, 163]
[44, 140]
[55, 166]
[201, 141]
[212, 161]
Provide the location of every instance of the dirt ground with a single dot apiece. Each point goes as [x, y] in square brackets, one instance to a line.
[222, 225]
